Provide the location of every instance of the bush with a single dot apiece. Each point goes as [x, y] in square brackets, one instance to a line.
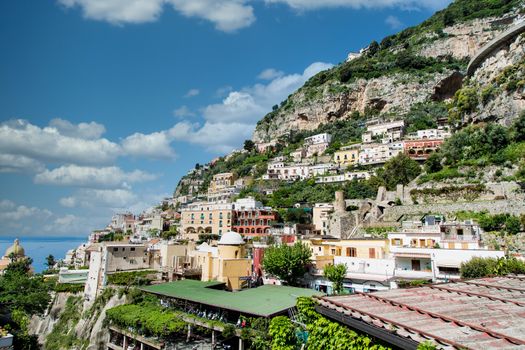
[69, 288]
[433, 163]
[130, 278]
[484, 267]
[399, 170]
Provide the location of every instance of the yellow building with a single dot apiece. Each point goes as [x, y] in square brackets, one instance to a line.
[226, 263]
[323, 250]
[347, 156]
[205, 218]
[14, 252]
[221, 181]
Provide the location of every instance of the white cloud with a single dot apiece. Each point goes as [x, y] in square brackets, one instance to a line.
[249, 104]
[393, 22]
[270, 73]
[223, 91]
[87, 131]
[118, 11]
[98, 198]
[12, 213]
[155, 145]
[216, 137]
[237, 106]
[182, 112]
[227, 15]
[357, 4]
[81, 176]
[192, 93]
[10, 163]
[228, 123]
[19, 137]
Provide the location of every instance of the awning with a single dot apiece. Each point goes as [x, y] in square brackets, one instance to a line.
[448, 264]
[412, 255]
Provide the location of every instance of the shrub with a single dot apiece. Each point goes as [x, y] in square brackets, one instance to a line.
[483, 267]
[129, 278]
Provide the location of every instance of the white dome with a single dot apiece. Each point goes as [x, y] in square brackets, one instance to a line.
[231, 238]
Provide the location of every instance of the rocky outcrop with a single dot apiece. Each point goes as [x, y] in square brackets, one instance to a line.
[504, 104]
[395, 94]
[464, 40]
[89, 327]
[43, 325]
[387, 94]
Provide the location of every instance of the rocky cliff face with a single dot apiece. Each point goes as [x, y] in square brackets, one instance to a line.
[85, 328]
[500, 82]
[394, 94]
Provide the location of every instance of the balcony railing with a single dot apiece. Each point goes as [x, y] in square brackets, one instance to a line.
[461, 238]
[424, 274]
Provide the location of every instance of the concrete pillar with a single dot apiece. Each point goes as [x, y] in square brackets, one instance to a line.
[125, 343]
[241, 344]
[213, 339]
[188, 337]
[141, 346]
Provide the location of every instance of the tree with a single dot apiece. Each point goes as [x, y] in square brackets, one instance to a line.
[22, 295]
[433, 163]
[19, 266]
[288, 263]
[249, 145]
[297, 215]
[519, 128]
[373, 48]
[399, 170]
[336, 275]
[50, 261]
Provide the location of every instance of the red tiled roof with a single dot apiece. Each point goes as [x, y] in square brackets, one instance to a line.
[486, 313]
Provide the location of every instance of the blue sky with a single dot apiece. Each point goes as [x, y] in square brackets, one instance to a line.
[105, 104]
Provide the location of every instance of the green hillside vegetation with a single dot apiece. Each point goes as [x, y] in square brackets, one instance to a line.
[468, 150]
[478, 146]
[398, 53]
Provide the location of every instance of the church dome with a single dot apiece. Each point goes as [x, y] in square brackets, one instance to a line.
[231, 238]
[15, 249]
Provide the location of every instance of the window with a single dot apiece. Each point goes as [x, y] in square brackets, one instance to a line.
[352, 252]
[115, 249]
[371, 253]
[132, 249]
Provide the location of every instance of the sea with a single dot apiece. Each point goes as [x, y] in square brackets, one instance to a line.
[38, 248]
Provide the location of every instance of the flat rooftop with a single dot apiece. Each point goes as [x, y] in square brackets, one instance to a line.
[264, 301]
[485, 313]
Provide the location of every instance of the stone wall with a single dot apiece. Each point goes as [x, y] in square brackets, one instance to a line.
[515, 207]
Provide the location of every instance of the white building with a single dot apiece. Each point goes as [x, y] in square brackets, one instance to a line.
[110, 257]
[330, 179]
[321, 169]
[384, 131]
[280, 171]
[319, 138]
[348, 176]
[358, 175]
[321, 217]
[378, 153]
[317, 144]
[298, 155]
[430, 134]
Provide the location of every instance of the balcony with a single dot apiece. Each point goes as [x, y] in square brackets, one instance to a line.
[413, 274]
[460, 238]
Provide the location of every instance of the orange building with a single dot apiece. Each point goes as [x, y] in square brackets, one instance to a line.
[421, 149]
[253, 222]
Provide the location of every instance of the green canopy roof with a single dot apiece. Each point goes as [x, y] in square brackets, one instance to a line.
[265, 301]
